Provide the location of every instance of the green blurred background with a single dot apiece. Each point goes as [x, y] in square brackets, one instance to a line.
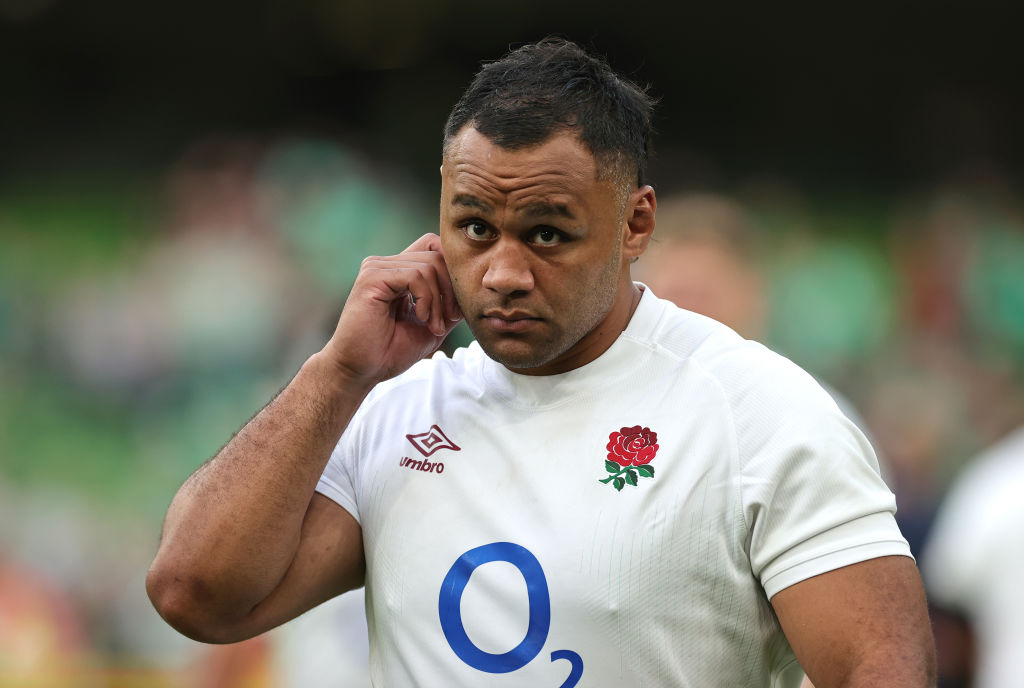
[187, 190]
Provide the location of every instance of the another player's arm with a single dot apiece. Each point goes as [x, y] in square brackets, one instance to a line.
[861, 625]
[247, 543]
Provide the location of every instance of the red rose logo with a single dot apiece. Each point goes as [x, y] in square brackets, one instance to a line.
[633, 446]
[630, 450]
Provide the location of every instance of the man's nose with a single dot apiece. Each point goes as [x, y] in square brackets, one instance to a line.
[508, 268]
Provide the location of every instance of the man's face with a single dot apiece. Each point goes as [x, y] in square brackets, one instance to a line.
[534, 245]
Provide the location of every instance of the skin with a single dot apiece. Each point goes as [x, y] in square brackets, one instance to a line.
[861, 625]
[537, 248]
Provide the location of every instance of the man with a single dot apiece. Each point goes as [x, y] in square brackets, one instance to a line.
[602, 490]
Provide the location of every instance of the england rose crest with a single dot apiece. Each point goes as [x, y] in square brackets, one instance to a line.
[630, 451]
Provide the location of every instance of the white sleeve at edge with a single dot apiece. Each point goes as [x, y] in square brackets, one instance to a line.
[868, 537]
[330, 489]
[336, 483]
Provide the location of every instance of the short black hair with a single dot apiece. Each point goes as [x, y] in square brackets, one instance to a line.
[551, 86]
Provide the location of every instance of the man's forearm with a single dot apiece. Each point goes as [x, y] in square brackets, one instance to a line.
[232, 530]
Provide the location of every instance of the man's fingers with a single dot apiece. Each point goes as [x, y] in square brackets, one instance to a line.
[417, 279]
[422, 285]
[428, 249]
[440, 310]
[427, 242]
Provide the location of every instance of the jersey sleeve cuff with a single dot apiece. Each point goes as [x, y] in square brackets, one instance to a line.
[867, 537]
[328, 488]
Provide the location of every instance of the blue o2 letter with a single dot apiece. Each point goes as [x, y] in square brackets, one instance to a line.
[449, 607]
[576, 673]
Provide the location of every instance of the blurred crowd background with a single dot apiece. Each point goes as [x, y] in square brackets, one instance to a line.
[187, 191]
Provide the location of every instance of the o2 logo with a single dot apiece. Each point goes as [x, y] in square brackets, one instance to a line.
[450, 610]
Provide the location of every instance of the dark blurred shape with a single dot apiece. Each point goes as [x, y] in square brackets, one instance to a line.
[18, 11]
[873, 98]
[917, 416]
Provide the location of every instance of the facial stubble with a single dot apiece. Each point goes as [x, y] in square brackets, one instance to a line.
[592, 305]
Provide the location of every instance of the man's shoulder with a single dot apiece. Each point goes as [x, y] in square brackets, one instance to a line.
[718, 349]
[680, 333]
[755, 381]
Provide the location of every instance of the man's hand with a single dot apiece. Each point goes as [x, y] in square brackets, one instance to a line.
[400, 310]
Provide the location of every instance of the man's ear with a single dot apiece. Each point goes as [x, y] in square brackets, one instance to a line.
[638, 222]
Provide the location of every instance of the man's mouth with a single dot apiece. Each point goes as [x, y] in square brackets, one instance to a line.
[509, 321]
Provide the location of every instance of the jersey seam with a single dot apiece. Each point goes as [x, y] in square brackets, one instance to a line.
[733, 442]
[733, 435]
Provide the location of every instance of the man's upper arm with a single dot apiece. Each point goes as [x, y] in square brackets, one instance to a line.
[861, 625]
[329, 561]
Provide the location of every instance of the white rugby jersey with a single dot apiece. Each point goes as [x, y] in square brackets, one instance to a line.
[621, 524]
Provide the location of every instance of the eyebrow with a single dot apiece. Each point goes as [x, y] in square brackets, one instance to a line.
[542, 209]
[471, 202]
[538, 209]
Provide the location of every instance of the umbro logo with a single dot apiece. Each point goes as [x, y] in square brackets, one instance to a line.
[432, 440]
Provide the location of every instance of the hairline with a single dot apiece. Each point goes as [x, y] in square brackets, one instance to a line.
[613, 167]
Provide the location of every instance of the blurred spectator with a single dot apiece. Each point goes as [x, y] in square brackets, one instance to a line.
[706, 256]
[917, 416]
[973, 566]
[42, 639]
[931, 247]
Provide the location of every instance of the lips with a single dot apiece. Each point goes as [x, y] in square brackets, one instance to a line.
[509, 315]
[510, 321]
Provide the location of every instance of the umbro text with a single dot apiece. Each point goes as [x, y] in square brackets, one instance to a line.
[425, 466]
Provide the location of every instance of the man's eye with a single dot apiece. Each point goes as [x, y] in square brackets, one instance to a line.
[547, 237]
[477, 231]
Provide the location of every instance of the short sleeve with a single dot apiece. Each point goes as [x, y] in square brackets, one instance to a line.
[337, 481]
[812, 496]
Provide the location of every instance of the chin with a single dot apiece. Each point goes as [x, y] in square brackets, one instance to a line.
[518, 355]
